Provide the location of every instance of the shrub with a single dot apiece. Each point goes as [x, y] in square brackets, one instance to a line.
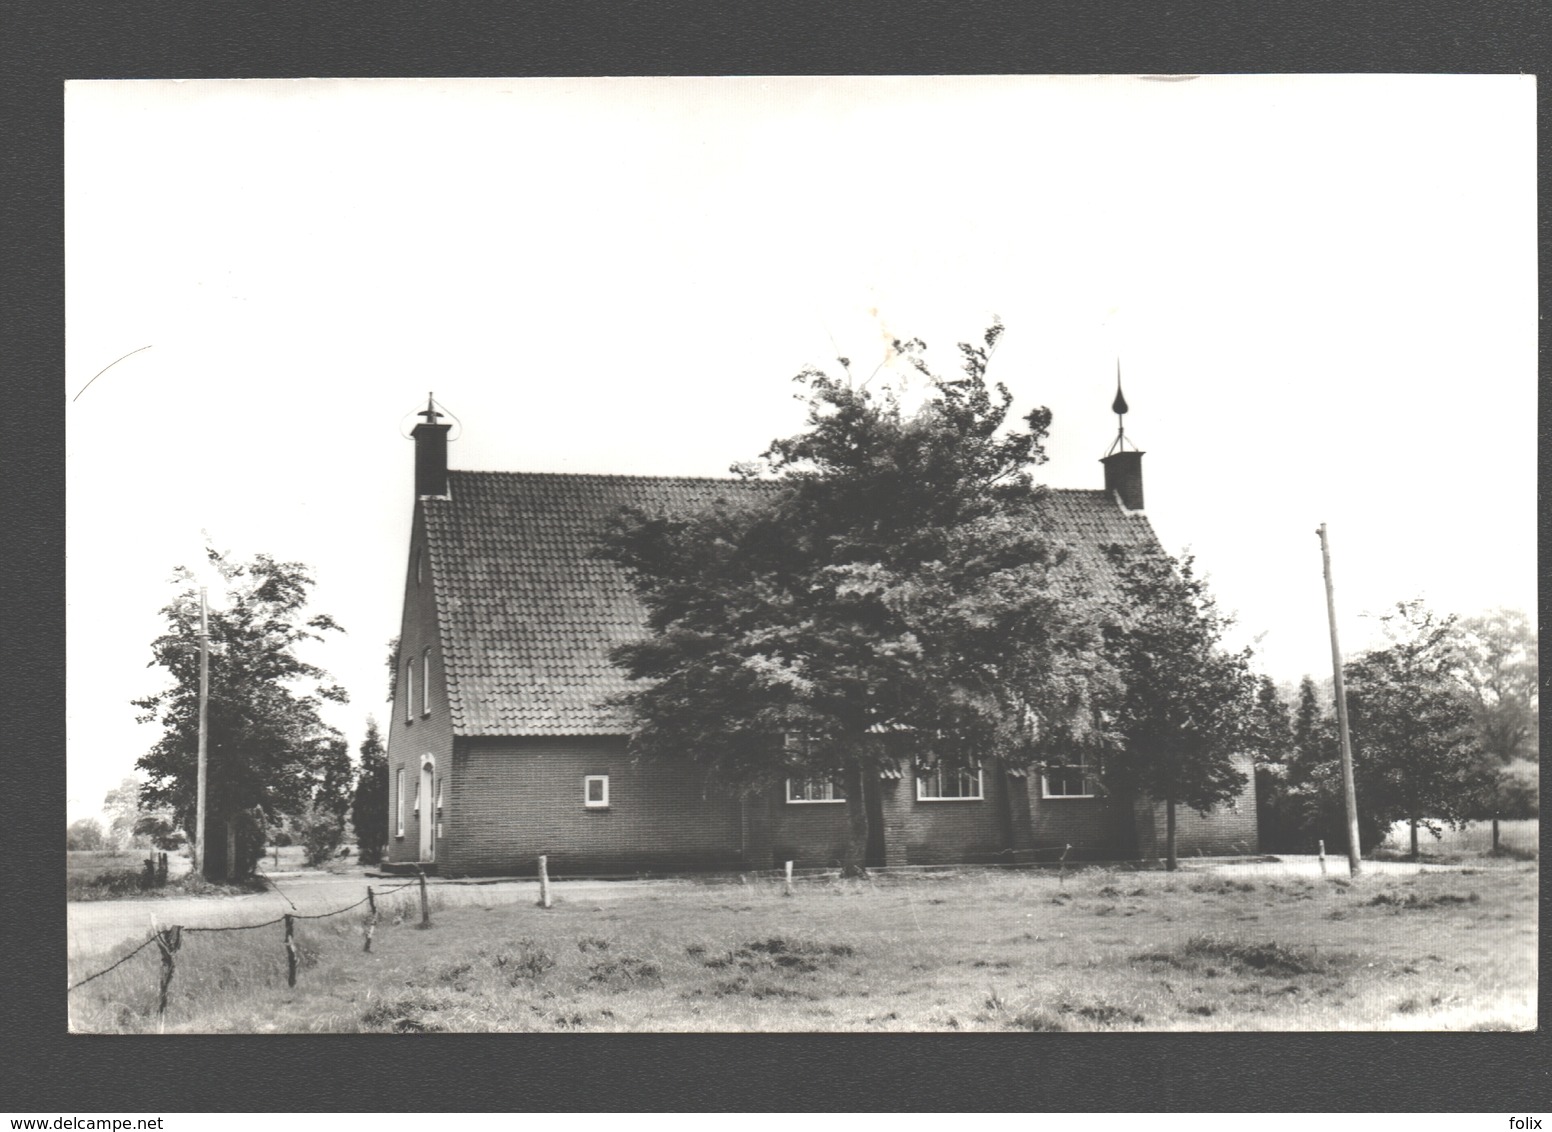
[321, 833]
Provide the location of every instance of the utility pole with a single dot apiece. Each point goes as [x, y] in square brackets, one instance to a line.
[1354, 860]
[204, 701]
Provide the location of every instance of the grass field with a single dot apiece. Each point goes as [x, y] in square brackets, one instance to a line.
[1098, 950]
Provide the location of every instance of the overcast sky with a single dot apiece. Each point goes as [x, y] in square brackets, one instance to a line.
[1321, 291]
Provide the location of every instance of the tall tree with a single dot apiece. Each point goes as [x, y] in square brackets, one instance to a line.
[1188, 706]
[1274, 749]
[335, 778]
[267, 742]
[894, 580]
[1498, 663]
[84, 834]
[369, 808]
[1414, 743]
[122, 804]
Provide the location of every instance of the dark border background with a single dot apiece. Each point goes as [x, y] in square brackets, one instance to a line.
[46, 42]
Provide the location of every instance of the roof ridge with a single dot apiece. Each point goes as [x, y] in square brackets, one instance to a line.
[616, 477]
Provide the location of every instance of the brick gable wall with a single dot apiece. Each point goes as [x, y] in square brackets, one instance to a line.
[427, 733]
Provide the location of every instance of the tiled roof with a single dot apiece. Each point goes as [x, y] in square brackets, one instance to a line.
[529, 612]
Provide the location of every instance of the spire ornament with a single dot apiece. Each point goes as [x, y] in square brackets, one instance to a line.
[1120, 408]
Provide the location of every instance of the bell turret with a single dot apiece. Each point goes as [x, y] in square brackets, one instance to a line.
[1123, 465]
[430, 451]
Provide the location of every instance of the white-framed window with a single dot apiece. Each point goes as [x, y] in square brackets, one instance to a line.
[398, 794]
[1070, 781]
[417, 797]
[946, 783]
[595, 791]
[425, 682]
[409, 691]
[823, 788]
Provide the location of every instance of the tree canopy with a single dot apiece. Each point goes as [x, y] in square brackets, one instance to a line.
[1187, 706]
[1497, 662]
[369, 807]
[1414, 744]
[892, 594]
[268, 746]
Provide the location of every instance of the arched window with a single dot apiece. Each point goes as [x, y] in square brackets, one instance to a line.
[409, 691]
[425, 682]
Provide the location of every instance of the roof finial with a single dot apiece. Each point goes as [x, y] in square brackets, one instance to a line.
[1119, 408]
[429, 412]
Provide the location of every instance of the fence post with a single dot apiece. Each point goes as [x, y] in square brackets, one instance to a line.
[544, 881]
[168, 941]
[1495, 833]
[1061, 866]
[371, 923]
[1322, 845]
[786, 888]
[425, 908]
[290, 953]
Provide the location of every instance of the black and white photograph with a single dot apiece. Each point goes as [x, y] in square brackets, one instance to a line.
[801, 554]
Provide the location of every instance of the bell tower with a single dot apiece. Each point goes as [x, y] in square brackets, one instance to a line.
[430, 452]
[1123, 465]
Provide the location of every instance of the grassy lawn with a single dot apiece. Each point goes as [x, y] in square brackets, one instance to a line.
[1100, 950]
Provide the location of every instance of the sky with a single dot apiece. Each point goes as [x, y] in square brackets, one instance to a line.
[1320, 291]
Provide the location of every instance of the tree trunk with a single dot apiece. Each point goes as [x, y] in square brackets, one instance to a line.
[1413, 823]
[1170, 860]
[854, 861]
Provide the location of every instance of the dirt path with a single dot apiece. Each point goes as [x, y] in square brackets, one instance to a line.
[99, 925]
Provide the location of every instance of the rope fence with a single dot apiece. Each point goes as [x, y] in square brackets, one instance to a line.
[169, 939]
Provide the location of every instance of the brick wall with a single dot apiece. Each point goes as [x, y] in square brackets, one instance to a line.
[513, 799]
[1228, 830]
[428, 732]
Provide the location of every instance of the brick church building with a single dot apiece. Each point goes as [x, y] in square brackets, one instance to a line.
[503, 745]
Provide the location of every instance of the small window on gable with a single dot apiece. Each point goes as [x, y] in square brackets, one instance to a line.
[949, 783]
[1070, 781]
[821, 789]
[425, 682]
[595, 791]
[398, 794]
[409, 691]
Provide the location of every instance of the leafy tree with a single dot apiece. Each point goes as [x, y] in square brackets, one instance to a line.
[1497, 663]
[267, 743]
[1276, 804]
[894, 580]
[1189, 706]
[321, 831]
[122, 803]
[335, 778]
[84, 834]
[1414, 742]
[369, 808]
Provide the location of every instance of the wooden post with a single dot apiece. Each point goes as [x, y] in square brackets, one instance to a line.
[204, 698]
[167, 941]
[786, 889]
[371, 924]
[1354, 857]
[544, 881]
[1495, 833]
[1061, 867]
[290, 952]
[1322, 845]
[425, 908]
